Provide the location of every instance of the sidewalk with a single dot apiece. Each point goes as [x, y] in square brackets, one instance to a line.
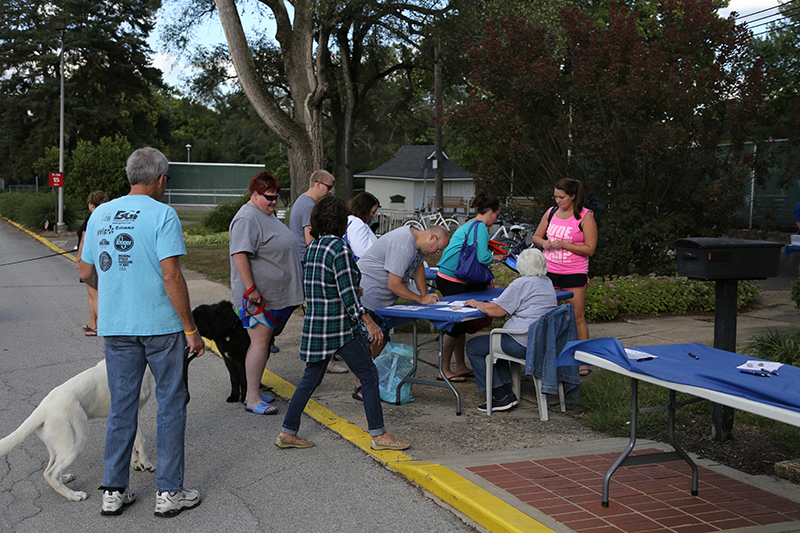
[512, 472]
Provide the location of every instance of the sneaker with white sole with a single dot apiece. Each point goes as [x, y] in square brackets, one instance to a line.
[503, 404]
[114, 501]
[171, 504]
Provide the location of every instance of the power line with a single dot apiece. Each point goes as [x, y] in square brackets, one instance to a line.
[788, 14]
[764, 10]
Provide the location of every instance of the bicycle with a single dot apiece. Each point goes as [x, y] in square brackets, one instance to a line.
[423, 222]
[509, 236]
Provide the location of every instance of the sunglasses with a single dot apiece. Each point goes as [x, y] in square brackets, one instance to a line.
[270, 197]
[330, 187]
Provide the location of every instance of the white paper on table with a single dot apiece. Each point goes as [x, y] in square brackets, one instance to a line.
[454, 303]
[638, 355]
[766, 366]
[405, 307]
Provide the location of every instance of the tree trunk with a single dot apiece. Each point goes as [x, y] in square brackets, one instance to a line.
[301, 131]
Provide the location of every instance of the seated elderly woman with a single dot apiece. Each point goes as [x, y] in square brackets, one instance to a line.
[525, 300]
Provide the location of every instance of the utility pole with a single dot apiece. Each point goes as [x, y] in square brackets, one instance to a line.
[437, 76]
[59, 226]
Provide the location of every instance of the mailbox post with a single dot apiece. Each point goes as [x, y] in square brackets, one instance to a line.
[726, 261]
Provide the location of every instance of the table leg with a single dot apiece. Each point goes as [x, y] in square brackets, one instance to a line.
[412, 376]
[657, 457]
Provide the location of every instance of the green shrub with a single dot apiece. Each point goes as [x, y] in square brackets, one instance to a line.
[219, 219]
[206, 238]
[33, 209]
[774, 345]
[652, 295]
[606, 299]
[796, 293]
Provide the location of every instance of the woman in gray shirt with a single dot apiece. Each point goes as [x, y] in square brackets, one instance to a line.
[525, 301]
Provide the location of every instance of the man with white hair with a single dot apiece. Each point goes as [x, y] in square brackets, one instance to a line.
[131, 256]
[525, 300]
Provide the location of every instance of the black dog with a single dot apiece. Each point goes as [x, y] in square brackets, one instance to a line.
[220, 323]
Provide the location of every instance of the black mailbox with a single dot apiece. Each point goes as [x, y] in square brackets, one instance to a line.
[708, 258]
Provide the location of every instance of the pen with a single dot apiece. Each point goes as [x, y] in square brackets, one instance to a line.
[644, 359]
[754, 372]
[693, 355]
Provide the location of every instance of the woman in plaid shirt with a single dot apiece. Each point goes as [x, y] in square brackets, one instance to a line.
[333, 311]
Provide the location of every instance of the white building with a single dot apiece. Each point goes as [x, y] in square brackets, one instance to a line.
[411, 174]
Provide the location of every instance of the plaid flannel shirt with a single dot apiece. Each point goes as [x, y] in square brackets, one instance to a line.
[333, 306]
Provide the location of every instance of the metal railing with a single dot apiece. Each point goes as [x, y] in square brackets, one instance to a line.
[200, 197]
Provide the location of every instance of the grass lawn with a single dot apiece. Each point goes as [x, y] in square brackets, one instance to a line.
[211, 260]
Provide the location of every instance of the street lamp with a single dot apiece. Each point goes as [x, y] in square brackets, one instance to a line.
[188, 153]
[60, 26]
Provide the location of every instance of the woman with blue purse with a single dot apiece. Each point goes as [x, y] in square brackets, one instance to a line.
[464, 267]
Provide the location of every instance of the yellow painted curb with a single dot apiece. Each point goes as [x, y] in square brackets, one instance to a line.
[42, 240]
[485, 508]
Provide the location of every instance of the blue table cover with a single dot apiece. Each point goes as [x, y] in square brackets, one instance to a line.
[714, 370]
[790, 249]
[439, 315]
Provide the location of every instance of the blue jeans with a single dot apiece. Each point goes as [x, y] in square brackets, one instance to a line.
[126, 358]
[477, 349]
[356, 354]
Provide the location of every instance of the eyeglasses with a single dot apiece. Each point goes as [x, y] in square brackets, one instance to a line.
[330, 187]
[166, 177]
[270, 197]
[438, 248]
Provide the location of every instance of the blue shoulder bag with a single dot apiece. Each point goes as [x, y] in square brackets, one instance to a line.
[469, 268]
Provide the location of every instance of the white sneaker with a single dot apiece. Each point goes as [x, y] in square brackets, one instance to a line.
[169, 504]
[336, 368]
[114, 500]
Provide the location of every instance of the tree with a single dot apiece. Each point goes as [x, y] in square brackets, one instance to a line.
[109, 83]
[636, 109]
[315, 66]
[778, 49]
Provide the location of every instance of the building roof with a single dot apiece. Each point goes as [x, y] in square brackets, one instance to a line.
[415, 162]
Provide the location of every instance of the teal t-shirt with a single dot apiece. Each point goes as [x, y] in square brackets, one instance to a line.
[448, 263]
[126, 240]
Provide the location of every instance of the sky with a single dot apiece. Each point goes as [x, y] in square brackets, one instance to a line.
[212, 33]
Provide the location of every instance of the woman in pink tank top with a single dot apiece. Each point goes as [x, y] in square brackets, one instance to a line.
[568, 238]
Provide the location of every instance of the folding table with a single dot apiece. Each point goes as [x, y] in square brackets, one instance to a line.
[695, 369]
[444, 317]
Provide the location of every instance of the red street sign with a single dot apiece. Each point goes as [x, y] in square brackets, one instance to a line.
[56, 179]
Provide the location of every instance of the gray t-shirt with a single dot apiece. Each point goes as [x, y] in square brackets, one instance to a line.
[274, 263]
[299, 218]
[395, 252]
[526, 299]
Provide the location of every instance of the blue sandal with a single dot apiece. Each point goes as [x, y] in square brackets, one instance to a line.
[263, 408]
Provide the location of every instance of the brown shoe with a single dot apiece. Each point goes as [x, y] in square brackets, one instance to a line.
[299, 443]
[397, 445]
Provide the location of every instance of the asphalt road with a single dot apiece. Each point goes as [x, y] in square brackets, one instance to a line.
[246, 482]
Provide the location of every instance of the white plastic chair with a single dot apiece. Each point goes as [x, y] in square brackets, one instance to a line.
[516, 365]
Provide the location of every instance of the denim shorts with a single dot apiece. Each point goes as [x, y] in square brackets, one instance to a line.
[271, 318]
[378, 322]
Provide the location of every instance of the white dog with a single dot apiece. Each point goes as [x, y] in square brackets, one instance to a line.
[61, 420]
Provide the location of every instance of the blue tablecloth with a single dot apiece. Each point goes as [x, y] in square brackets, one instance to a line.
[439, 315]
[714, 370]
[790, 249]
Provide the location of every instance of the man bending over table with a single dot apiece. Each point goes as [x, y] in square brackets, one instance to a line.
[390, 263]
